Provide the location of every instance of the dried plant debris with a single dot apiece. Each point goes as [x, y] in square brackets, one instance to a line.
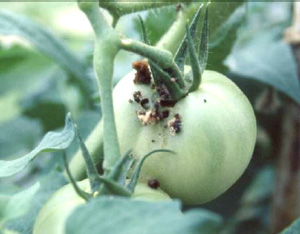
[143, 74]
[175, 125]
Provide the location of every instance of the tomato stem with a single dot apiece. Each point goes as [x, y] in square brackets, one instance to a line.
[81, 193]
[118, 8]
[161, 57]
[107, 45]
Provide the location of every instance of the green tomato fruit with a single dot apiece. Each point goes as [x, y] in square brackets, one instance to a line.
[53, 215]
[212, 132]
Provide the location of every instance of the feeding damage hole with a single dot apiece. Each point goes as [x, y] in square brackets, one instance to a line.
[142, 75]
[204, 100]
[153, 183]
[157, 106]
[137, 96]
[175, 125]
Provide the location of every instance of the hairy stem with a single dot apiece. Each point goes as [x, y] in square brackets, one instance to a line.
[107, 46]
[162, 57]
[172, 39]
[119, 8]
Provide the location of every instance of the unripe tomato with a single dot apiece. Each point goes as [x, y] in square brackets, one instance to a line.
[212, 132]
[53, 216]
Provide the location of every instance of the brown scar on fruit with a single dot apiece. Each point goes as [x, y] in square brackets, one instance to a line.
[150, 117]
[143, 74]
[174, 124]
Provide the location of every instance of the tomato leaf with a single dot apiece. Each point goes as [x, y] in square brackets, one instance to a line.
[136, 216]
[17, 205]
[44, 41]
[52, 141]
[264, 56]
[255, 204]
[48, 185]
[294, 228]
[222, 41]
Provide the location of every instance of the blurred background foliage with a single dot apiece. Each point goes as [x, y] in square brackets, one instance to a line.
[42, 79]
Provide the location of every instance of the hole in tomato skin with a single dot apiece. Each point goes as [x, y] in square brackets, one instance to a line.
[175, 125]
[145, 103]
[137, 96]
[153, 183]
[153, 141]
[204, 100]
[165, 114]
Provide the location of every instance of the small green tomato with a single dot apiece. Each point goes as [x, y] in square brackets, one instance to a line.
[53, 215]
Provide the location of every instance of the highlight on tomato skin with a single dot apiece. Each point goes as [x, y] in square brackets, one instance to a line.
[212, 132]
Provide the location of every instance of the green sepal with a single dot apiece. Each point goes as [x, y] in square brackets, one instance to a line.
[114, 187]
[144, 32]
[131, 185]
[120, 170]
[194, 62]
[175, 91]
[92, 173]
[86, 196]
[181, 52]
[203, 48]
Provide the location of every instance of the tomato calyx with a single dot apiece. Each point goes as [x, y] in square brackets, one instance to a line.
[168, 87]
[114, 182]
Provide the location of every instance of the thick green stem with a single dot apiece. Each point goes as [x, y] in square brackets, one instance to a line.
[103, 62]
[172, 39]
[119, 8]
[106, 48]
[162, 57]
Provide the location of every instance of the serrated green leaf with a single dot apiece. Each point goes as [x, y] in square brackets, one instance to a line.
[52, 141]
[120, 215]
